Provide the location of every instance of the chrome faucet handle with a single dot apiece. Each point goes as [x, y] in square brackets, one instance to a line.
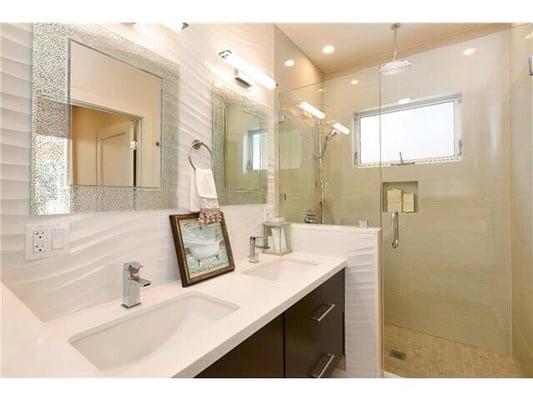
[264, 239]
[133, 267]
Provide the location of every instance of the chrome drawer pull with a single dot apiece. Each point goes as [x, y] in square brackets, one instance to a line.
[320, 374]
[323, 315]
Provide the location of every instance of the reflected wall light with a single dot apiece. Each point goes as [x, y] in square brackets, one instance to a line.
[315, 112]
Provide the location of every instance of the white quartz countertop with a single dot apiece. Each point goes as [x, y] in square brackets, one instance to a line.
[35, 348]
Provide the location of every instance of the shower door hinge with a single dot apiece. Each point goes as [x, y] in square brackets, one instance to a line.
[459, 148]
[355, 157]
[281, 117]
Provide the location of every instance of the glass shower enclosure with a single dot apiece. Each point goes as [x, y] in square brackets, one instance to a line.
[440, 157]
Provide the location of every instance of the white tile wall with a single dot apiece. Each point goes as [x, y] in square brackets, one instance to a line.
[363, 303]
[101, 242]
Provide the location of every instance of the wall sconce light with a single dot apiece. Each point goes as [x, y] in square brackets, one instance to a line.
[253, 72]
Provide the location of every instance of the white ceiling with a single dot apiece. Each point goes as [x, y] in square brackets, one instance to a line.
[361, 43]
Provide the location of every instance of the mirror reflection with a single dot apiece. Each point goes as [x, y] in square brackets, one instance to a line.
[240, 146]
[244, 142]
[115, 121]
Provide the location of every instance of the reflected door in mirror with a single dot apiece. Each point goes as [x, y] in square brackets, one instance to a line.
[115, 121]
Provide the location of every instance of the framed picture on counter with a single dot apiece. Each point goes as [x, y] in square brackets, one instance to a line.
[203, 251]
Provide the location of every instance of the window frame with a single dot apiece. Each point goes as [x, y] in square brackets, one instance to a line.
[456, 98]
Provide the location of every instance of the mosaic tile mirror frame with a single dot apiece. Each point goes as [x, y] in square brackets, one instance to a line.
[52, 188]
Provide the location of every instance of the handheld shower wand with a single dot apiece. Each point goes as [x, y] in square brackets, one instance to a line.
[336, 128]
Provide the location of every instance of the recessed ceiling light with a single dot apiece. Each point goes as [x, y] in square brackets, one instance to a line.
[469, 51]
[328, 49]
[354, 82]
[530, 36]
[404, 100]
[289, 62]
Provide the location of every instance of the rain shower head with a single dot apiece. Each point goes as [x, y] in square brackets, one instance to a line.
[395, 66]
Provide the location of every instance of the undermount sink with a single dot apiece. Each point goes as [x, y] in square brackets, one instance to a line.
[131, 338]
[281, 270]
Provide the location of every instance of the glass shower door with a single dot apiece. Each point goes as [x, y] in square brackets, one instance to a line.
[443, 127]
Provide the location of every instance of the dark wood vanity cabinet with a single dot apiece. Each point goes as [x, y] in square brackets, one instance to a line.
[314, 331]
[259, 356]
[307, 340]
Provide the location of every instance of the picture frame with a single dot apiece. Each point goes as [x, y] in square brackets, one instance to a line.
[203, 251]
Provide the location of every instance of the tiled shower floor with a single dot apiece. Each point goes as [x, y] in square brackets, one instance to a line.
[428, 356]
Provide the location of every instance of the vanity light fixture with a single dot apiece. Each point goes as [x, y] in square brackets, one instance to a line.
[307, 107]
[289, 62]
[469, 51]
[320, 90]
[175, 27]
[405, 100]
[328, 49]
[354, 82]
[250, 70]
[244, 80]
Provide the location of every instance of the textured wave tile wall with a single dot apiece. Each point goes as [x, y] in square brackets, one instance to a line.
[102, 242]
[363, 304]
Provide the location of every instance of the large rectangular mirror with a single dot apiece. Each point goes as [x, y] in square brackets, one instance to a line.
[104, 122]
[239, 147]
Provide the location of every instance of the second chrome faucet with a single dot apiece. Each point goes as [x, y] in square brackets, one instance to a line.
[253, 257]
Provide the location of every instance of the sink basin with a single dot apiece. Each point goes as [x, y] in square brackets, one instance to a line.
[281, 270]
[131, 338]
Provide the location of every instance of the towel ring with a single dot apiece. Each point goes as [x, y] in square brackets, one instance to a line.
[196, 144]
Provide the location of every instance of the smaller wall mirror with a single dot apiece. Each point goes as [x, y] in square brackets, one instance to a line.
[240, 137]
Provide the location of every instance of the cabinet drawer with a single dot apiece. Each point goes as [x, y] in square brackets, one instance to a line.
[259, 356]
[314, 331]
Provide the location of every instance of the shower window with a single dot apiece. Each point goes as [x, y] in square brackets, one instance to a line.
[422, 131]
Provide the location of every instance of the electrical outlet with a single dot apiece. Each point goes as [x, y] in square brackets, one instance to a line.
[46, 240]
[41, 240]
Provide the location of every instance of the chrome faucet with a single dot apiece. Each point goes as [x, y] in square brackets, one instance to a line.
[253, 257]
[401, 162]
[131, 284]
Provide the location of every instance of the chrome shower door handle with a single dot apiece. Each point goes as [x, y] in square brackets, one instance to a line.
[395, 230]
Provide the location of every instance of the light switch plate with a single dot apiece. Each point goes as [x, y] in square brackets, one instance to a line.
[46, 240]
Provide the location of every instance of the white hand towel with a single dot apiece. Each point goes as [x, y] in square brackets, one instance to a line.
[205, 183]
[203, 197]
[194, 199]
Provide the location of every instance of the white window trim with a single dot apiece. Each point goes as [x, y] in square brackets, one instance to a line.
[458, 140]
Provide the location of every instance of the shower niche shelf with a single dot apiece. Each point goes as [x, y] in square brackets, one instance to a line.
[400, 196]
